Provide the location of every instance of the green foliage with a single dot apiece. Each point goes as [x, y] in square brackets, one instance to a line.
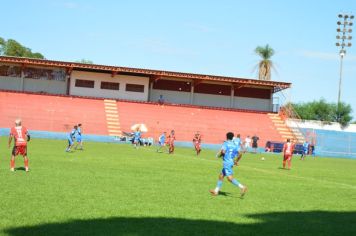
[13, 48]
[265, 65]
[324, 111]
[85, 61]
[113, 189]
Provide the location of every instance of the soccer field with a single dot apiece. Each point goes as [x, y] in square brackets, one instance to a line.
[113, 189]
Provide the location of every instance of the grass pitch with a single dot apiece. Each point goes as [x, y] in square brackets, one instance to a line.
[113, 189]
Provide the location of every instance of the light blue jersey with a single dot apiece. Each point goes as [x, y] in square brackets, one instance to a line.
[71, 136]
[237, 142]
[162, 139]
[231, 151]
[137, 135]
[79, 135]
[305, 147]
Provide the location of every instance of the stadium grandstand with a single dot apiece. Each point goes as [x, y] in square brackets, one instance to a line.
[48, 94]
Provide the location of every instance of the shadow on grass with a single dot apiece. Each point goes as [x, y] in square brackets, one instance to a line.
[278, 223]
[20, 168]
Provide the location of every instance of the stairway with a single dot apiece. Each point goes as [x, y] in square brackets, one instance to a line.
[285, 131]
[112, 118]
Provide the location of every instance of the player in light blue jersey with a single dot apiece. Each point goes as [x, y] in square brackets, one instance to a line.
[229, 151]
[71, 137]
[237, 141]
[305, 150]
[137, 138]
[161, 141]
[78, 137]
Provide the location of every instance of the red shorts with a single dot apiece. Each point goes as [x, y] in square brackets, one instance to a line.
[19, 150]
[287, 157]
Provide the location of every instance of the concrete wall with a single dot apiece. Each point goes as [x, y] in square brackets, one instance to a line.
[48, 86]
[253, 103]
[10, 83]
[211, 100]
[170, 96]
[105, 93]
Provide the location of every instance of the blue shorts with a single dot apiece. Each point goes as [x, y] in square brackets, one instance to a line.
[70, 141]
[227, 171]
[136, 140]
[79, 139]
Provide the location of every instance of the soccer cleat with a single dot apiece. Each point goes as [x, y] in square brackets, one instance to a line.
[27, 170]
[243, 191]
[212, 191]
[12, 169]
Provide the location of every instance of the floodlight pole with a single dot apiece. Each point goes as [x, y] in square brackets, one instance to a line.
[340, 80]
[344, 40]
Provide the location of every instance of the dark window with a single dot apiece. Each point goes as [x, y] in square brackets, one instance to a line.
[10, 71]
[172, 85]
[135, 88]
[84, 83]
[215, 89]
[253, 93]
[110, 85]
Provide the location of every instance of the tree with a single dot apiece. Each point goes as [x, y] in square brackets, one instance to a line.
[325, 112]
[85, 61]
[265, 65]
[13, 48]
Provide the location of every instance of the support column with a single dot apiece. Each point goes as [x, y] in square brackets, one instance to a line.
[232, 98]
[150, 88]
[22, 87]
[192, 93]
[68, 85]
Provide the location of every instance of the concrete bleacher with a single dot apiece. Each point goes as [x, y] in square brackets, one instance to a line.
[52, 113]
[212, 123]
[59, 113]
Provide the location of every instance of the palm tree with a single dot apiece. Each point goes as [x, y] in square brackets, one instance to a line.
[265, 65]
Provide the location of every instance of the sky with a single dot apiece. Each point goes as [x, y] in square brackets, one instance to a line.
[200, 36]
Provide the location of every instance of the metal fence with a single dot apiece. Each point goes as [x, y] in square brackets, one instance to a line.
[332, 143]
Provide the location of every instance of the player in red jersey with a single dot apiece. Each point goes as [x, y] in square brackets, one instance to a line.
[170, 141]
[197, 142]
[288, 149]
[21, 136]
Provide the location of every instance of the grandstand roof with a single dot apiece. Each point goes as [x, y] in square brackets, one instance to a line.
[155, 74]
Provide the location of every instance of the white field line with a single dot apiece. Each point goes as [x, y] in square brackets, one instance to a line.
[276, 173]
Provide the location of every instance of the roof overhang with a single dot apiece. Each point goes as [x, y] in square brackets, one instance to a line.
[155, 74]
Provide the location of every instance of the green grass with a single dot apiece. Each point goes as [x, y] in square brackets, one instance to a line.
[112, 189]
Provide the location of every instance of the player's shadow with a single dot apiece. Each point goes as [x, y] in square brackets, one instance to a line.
[312, 223]
[20, 168]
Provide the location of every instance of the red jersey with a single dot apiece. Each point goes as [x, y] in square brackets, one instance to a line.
[197, 139]
[20, 135]
[288, 148]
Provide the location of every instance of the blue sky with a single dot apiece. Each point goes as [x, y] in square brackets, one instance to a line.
[201, 36]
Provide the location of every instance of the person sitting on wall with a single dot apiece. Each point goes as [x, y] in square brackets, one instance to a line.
[161, 100]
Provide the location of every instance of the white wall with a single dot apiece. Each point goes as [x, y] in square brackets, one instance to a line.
[253, 104]
[10, 83]
[314, 124]
[105, 93]
[48, 86]
[170, 96]
[211, 100]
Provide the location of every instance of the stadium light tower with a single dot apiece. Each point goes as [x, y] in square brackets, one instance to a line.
[343, 38]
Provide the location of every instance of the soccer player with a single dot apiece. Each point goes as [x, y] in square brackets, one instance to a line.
[161, 141]
[171, 139]
[305, 150]
[21, 136]
[137, 138]
[288, 149]
[197, 142]
[237, 141]
[247, 143]
[79, 137]
[229, 151]
[255, 139]
[71, 137]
